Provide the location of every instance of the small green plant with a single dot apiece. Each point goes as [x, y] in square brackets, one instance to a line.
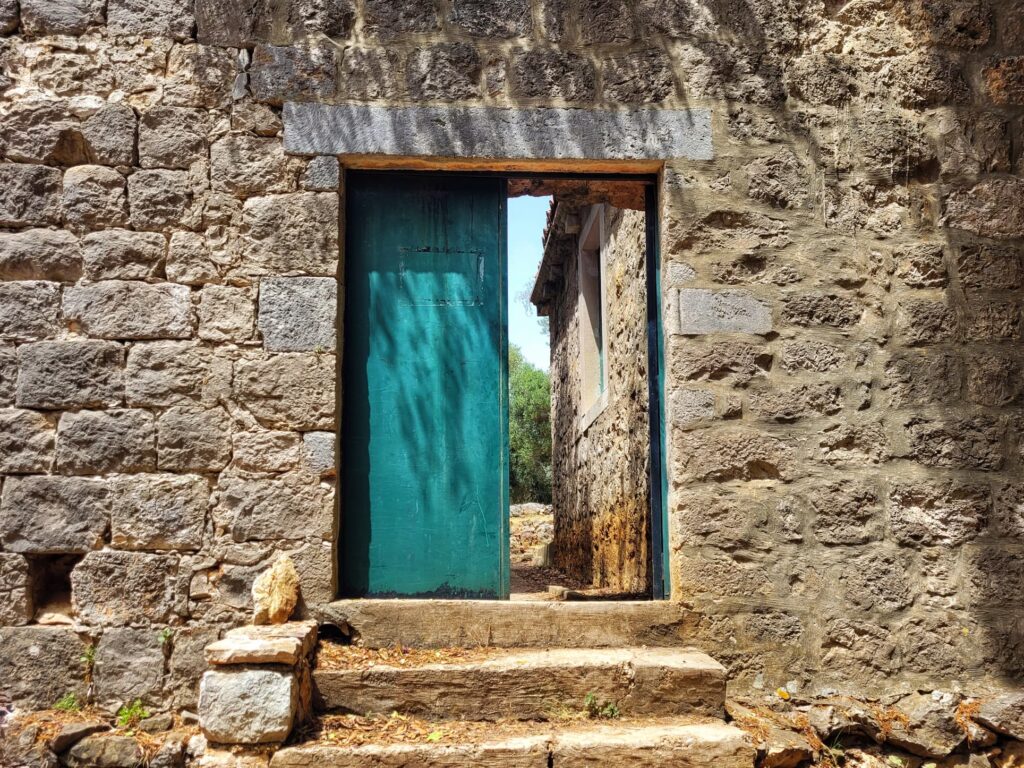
[165, 635]
[67, 703]
[89, 656]
[599, 708]
[130, 715]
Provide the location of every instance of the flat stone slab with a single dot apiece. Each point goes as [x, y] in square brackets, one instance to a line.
[247, 650]
[692, 745]
[533, 685]
[305, 632]
[495, 132]
[506, 624]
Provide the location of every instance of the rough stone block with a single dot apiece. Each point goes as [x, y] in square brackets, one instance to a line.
[877, 580]
[991, 208]
[266, 451]
[292, 507]
[29, 310]
[922, 321]
[8, 15]
[810, 309]
[922, 378]
[187, 663]
[247, 165]
[921, 265]
[40, 254]
[987, 267]
[846, 513]
[923, 513]
[120, 254]
[59, 17]
[127, 309]
[129, 665]
[289, 391]
[288, 234]
[226, 314]
[856, 444]
[993, 322]
[956, 443]
[194, 439]
[553, 75]
[371, 73]
[814, 356]
[793, 403]
[98, 442]
[166, 512]
[721, 361]
[39, 130]
[702, 311]
[387, 19]
[8, 373]
[15, 591]
[1004, 81]
[293, 73]
[691, 407]
[159, 198]
[1004, 714]
[993, 379]
[298, 314]
[107, 751]
[247, 706]
[172, 137]
[39, 665]
[146, 18]
[481, 18]
[70, 374]
[118, 588]
[26, 441]
[733, 454]
[201, 75]
[110, 135]
[167, 373]
[640, 77]
[323, 174]
[319, 452]
[190, 260]
[43, 515]
[30, 195]
[94, 197]
[448, 72]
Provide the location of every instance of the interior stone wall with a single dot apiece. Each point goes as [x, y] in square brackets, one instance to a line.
[600, 471]
[842, 292]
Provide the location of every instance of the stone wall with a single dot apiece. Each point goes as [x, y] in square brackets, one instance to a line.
[842, 302]
[600, 470]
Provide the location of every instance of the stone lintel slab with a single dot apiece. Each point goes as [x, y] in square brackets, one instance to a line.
[495, 132]
[303, 631]
[244, 650]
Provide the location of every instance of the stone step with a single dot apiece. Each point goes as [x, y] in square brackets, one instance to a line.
[533, 684]
[679, 745]
[506, 624]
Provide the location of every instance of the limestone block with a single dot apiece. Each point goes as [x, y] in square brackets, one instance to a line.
[931, 728]
[249, 115]
[729, 361]
[294, 506]
[926, 79]
[323, 174]
[52, 514]
[993, 379]
[956, 443]
[993, 322]
[333, 18]
[146, 18]
[26, 441]
[70, 374]
[444, 72]
[275, 593]
[319, 452]
[988, 267]
[640, 77]
[298, 314]
[266, 451]
[120, 254]
[480, 18]
[247, 706]
[201, 75]
[386, 19]
[702, 311]
[99, 442]
[226, 314]
[94, 197]
[8, 373]
[788, 404]
[855, 444]
[553, 75]
[250, 165]
[15, 591]
[690, 407]
[187, 664]
[1004, 81]
[129, 665]
[315, 562]
[106, 751]
[241, 650]
[159, 198]
[194, 439]
[371, 73]
[778, 180]
[59, 17]
[289, 234]
[877, 580]
[110, 135]
[1004, 714]
[30, 195]
[190, 260]
[41, 664]
[923, 321]
[164, 373]
[127, 309]
[166, 512]
[846, 512]
[40, 254]
[608, 21]
[722, 520]
[287, 73]
[816, 308]
[289, 391]
[821, 78]
[172, 137]
[233, 23]
[38, 131]
[814, 356]
[937, 513]
[991, 208]
[118, 588]
[740, 454]
[29, 310]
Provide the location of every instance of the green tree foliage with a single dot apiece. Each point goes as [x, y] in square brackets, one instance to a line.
[529, 430]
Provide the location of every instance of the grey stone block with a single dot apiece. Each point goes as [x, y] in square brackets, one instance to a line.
[159, 512]
[26, 441]
[118, 588]
[323, 174]
[172, 137]
[41, 515]
[492, 132]
[40, 664]
[128, 309]
[94, 197]
[98, 442]
[319, 452]
[247, 706]
[159, 198]
[291, 391]
[120, 254]
[8, 373]
[129, 665]
[702, 311]
[59, 17]
[298, 314]
[29, 195]
[294, 506]
[151, 18]
[40, 254]
[15, 590]
[290, 234]
[70, 374]
[165, 373]
[194, 439]
[29, 310]
[282, 73]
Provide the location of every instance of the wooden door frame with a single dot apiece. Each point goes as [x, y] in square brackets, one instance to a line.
[658, 524]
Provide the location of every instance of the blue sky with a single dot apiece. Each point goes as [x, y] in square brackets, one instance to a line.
[526, 219]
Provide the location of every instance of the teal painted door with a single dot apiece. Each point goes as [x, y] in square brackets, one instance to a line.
[425, 405]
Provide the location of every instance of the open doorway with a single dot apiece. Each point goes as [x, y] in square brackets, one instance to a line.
[425, 443]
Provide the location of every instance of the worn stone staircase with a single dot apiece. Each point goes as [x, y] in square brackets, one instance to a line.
[552, 655]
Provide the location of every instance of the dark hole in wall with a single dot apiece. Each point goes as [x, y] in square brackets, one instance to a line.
[50, 580]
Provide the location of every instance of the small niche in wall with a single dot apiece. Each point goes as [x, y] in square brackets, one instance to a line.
[50, 579]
